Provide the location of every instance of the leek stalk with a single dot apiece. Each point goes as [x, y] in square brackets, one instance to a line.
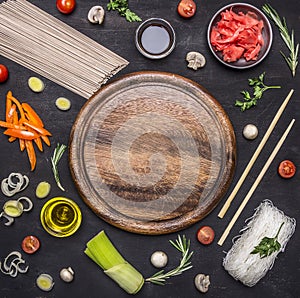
[102, 252]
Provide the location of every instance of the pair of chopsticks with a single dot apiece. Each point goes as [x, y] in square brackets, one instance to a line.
[249, 166]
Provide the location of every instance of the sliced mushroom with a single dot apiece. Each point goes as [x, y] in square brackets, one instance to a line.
[195, 60]
[202, 282]
[96, 14]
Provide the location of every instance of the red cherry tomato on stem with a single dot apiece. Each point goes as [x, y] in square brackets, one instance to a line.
[65, 6]
[205, 235]
[286, 169]
[3, 73]
[30, 244]
[186, 8]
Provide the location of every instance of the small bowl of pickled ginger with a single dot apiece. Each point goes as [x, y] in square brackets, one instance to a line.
[240, 35]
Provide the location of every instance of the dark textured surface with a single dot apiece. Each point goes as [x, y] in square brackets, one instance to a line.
[224, 84]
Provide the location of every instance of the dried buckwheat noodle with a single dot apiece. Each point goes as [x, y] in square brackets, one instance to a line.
[250, 268]
[53, 49]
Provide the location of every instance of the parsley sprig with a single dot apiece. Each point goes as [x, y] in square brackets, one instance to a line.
[259, 87]
[122, 7]
[268, 245]
[292, 59]
[183, 246]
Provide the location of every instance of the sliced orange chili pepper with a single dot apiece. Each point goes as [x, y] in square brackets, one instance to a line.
[10, 113]
[22, 144]
[14, 120]
[8, 107]
[32, 115]
[11, 125]
[31, 154]
[18, 104]
[22, 134]
[39, 144]
[37, 141]
[23, 122]
[39, 129]
[46, 140]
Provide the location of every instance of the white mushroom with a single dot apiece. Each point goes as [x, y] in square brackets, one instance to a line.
[96, 14]
[159, 259]
[202, 282]
[195, 60]
[67, 274]
[250, 131]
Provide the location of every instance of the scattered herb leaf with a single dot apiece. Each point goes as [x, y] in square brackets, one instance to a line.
[183, 246]
[57, 155]
[292, 59]
[268, 245]
[259, 87]
[121, 6]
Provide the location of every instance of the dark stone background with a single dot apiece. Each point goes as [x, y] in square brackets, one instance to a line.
[224, 84]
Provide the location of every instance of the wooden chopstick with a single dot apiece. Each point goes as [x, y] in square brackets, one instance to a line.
[255, 155]
[255, 184]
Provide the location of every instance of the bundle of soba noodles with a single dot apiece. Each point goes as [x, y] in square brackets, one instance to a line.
[240, 261]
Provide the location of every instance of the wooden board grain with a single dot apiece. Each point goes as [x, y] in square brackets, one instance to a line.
[152, 153]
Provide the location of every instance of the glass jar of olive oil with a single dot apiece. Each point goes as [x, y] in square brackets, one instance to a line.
[60, 217]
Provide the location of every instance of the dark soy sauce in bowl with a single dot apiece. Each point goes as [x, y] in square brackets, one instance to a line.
[155, 38]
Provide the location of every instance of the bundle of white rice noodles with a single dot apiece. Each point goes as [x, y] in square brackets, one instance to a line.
[250, 268]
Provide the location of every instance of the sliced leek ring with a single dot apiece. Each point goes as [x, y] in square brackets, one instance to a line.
[13, 208]
[45, 282]
[63, 103]
[36, 84]
[43, 189]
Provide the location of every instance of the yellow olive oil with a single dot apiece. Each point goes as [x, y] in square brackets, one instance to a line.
[60, 217]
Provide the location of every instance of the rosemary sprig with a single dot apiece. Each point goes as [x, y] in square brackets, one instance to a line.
[268, 245]
[57, 155]
[183, 246]
[259, 87]
[292, 59]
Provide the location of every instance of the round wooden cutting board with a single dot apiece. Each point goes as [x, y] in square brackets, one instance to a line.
[152, 153]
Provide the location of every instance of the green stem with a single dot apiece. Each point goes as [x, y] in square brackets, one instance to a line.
[279, 230]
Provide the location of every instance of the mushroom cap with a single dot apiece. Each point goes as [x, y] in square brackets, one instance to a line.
[96, 14]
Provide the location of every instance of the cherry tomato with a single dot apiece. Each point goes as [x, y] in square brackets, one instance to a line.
[205, 235]
[30, 244]
[3, 73]
[65, 6]
[186, 8]
[286, 169]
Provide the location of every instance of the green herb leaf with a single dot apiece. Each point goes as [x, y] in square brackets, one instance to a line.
[259, 87]
[122, 7]
[292, 59]
[182, 245]
[267, 245]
